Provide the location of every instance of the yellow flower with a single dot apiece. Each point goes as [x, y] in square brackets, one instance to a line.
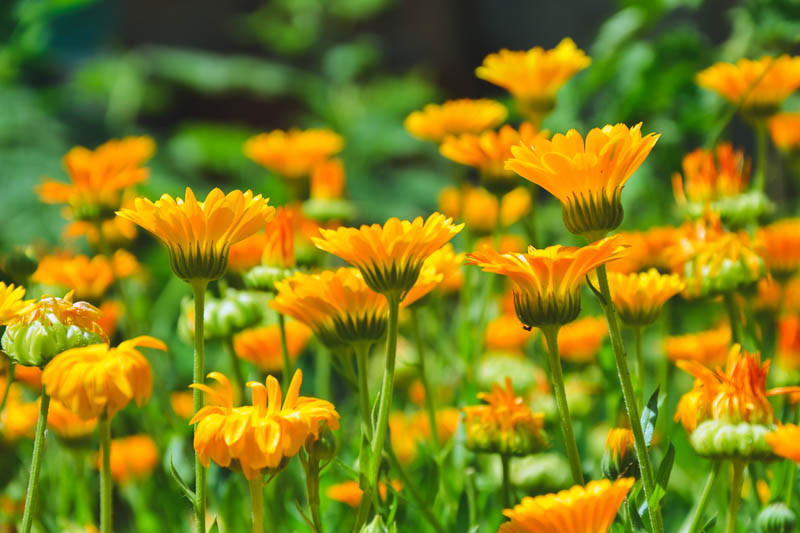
[448, 263]
[198, 235]
[427, 281]
[293, 154]
[646, 249]
[11, 302]
[115, 231]
[770, 294]
[534, 77]
[98, 177]
[99, 379]
[779, 244]
[547, 282]
[247, 253]
[19, 417]
[447, 420]
[581, 340]
[487, 151]
[262, 435]
[506, 333]
[586, 177]
[709, 175]
[449, 201]
[350, 493]
[30, 376]
[279, 247]
[182, 403]
[619, 441]
[589, 509]
[514, 205]
[707, 347]
[66, 424]
[88, 278]
[435, 122]
[640, 297]
[785, 442]
[262, 346]
[407, 432]
[785, 130]
[327, 180]
[481, 210]
[131, 458]
[336, 304]
[758, 86]
[390, 257]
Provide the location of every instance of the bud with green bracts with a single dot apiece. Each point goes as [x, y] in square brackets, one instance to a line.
[37, 342]
[234, 312]
[776, 518]
[719, 440]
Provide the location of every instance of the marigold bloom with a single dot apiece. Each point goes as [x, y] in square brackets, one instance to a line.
[534, 77]
[785, 130]
[514, 205]
[99, 379]
[350, 493]
[88, 278]
[580, 341]
[435, 121]
[66, 424]
[427, 281]
[709, 348]
[279, 247]
[769, 295]
[709, 175]
[262, 346]
[131, 458]
[115, 231]
[11, 302]
[198, 235]
[646, 249]
[182, 403]
[390, 257]
[327, 180]
[487, 151]
[789, 342]
[785, 441]
[481, 209]
[99, 176]
[247, 253]
[758, 86]
[448, 263]
[586, 176]
[506, 333]
[547, 282]
[779, 244]
[19, 417]
[589, 509]
[262, 435]
[640, 297]
[294, 153]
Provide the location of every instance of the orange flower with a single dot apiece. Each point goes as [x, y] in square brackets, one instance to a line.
[506, 333]
[504, 244]
[350, 493]
[789, 342]
[247, 253]
[19, 417]
[481, 210]
[262, 346]
[327, 180]
[182, 403]
[580, 341]
[29, 375]
[589, 509]
[618, 457]
[779, 244]
[448, 263]
[646, 249]
[709, 175]
[131, 458]
[293, 154]
[587, 177]
[785, 442]
[66, 424]
[770, 294]
[785, 130]
[89, 278]
[115, 231]
[619, 442]
[640, 297]
[709, 348]
[11, 302]
[435, 122]
[279, 247]
[488, 151]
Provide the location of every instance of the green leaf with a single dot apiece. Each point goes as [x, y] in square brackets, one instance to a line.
[214, 527]
[649, 417]
[636, 518]
[665, 469]
[709, 527]
[189, 493]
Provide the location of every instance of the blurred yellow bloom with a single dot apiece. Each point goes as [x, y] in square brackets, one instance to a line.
[350, 493]
[327, 179]
[262, 346]
[247, 253]
[709, 175]
[66, 424]
[19, 417]
[11, 302]
[279, 246]
[116, 231]
[589, 509]
[580, 341]
[448, 263]
[29, 375]
[779, 244]
[507, 243]
[88, 278]
[453, 117]
[785, 130]
[514, 205]
[770, 295]
[125, 265]
[481, 210]
[646, 249]
[788, 355]
[506, 333]
[758, 86]
[262, 435]
[197, 234]
[390, 257]
[640, 297]
[182, 403]
[99, 379]
[709, 348]
[293, 154]
[427, 281]
[785, 442]
[488, 151]
[450, 202]
[586, 176]
[619, 442]
[131, 458]
[547, 282]
[408, 431]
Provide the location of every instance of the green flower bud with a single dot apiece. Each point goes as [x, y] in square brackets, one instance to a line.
[776, 518]
[234, 312]
[619, 459]
[35, 344]
[377, 526]
[263, 278]
[719, 440]
[324, 448]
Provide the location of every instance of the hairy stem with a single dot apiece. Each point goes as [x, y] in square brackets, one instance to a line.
[198, 376]
[104, 427]
[36, 465]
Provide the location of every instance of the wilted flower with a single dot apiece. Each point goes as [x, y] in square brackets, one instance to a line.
[639, 297]
[262, 346]
[294, 153]
[453, 117]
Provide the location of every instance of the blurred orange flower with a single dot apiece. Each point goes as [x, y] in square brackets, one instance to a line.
[453, 117]
[293, 153]
[262, 346]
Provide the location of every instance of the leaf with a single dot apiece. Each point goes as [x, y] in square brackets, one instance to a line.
[665, 468]
[709, 527]
[189, 493]
[650, 416]
[214, 527]
[636, 518]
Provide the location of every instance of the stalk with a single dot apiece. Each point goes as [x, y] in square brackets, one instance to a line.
[362, 352]
[637, 333]
[312, 490]
[505, 460]
[733, 315]
[430, 405]
[760, 178]
[256, 504]
[648, 480]
[737, 477]
[198, 376]
[12, 368]
[699, 511]
[36, 464]
[104, 427]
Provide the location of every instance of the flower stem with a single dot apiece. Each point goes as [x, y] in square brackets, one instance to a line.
[414, 490]
[198, 376]
[733, 315]
[104, 427]
[12, 368]
[505, 460]
[36, 465]
[287, 363]
[312, 490]
[362, 353]
[557, 380]
[699, 511]
[637, 333]
[760, 178]
[648, 480]
[256, 504]
[430, 404]
[737, 478]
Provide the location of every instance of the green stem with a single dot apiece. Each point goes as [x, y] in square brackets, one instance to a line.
[362, 353]
[198, 376]
[791, 483]
[256, 504]
[637, 333]
[312, 490]
[12, 368]
[697, 519]
[648, 480]
[472, 504]
[238, 375]
[737, 478]
[104, 427]
[36, 464]
[414, 491]
[733, 315]
[430, 404]
[760, 177]
[287, 363]
[557, 380]
[505, 460]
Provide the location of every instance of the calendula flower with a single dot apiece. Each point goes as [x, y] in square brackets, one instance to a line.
[785, 441]
[11, 302]
[115, 231]
[580, 341]
[279, 249]
[262, 346]
[98, 379]
[482, 210]
[350, 493]
[390, 257]
[709, 348]
[514, 205]
[427, 281]
[779, 244]
[327, 180]
[785, 130]
[132, 458]
[709, 175]
[639, 297]
[589, 509]
[197, 234]
[547, 281]
[247, 253]
[507, 243]
[435, 122]
[487, 151]
[758, 86]
[294, 153]
[646, 249]
[448, 263]
[769, 295]
[337, 305]
[263, 435]
[99, 176]
[68, 425]
[534, 77]
[506, 333]
[408, 431]
[19, 417]
[789, 342]
[504, 425]
[618, 457]
[89, 278]
[586, 176]
[182, 403]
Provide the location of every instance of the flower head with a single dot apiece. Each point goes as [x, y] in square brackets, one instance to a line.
[580, 341]
[327, 180]
[785, 442]
[785, 130]
[586, 176]
[646, 249]
[98, 379]
[390, 257]
[618, 458]
[487, 151]
[435, 122]
[19, 417]
[262, 435]
[293, 153]
[197, 234]
[709, 348]
[131, 458]
[779, 244]
[506, 333]
[709, 175]
[279, 247]
[640, 297]
[11, 302]
[68, 425]
[547, 282]
[262, 345]
[89, 278]
[592, 508]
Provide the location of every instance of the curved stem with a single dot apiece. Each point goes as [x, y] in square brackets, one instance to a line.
[648, 480]
[287, 363]
[557, 381]
[760, 177]
[312, 490]
[737, 478]
[36, 464]
[12, 368]
[733, 315]
[699, 511]
[430, 405]
[362, 353]
[414, 490]
[637, 333]
[505, 460]
[256, 504]
[104, 427]
[198, 376]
